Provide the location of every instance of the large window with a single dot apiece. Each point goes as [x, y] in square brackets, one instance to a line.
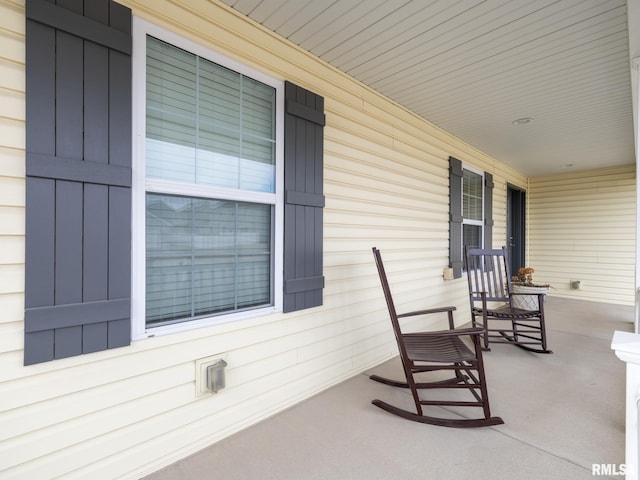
[183, 227]
[209, 187]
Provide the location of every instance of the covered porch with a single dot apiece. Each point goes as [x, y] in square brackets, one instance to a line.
[563, 413]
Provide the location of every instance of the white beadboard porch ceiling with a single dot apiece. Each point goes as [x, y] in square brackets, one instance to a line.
[473, 67]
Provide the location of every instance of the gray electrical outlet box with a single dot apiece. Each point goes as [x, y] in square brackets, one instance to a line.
[209, 380]
[216, 376]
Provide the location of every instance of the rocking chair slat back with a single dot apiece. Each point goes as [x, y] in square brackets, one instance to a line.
[488, 271]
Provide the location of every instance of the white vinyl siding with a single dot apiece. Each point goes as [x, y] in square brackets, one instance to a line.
[12, 181]
[127, 412]
[582, 227]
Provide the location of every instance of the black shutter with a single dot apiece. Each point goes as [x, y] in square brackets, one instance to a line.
[455, 217]
[78, 188]
[304, 200]
[488, 210]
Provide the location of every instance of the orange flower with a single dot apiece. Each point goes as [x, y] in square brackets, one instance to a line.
[525, 274]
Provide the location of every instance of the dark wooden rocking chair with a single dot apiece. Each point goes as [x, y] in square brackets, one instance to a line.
[426, 352]
[492, 303]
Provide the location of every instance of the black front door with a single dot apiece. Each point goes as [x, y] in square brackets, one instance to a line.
[516, 208]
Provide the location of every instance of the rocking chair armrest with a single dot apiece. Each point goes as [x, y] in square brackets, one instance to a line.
[446, 333]
[427, 311]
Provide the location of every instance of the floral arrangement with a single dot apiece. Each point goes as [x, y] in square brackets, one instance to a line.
[525, 275]
[525, 278]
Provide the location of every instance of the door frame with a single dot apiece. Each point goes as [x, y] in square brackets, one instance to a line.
[516, 227]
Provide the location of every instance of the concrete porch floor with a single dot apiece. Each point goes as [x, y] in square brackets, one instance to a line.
[563, 412]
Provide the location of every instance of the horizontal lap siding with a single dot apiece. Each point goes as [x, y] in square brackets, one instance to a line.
[130, 411]
[583, 228]
[12, 182]
[12, 202]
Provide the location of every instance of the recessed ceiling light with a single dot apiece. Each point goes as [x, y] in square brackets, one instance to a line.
[522, 121]
[567, 165]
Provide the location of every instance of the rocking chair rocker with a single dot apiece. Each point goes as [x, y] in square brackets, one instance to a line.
[426, 352]
[492, 303]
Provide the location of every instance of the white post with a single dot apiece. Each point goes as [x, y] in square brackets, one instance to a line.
[633, 29]
[635, 82]
[627, 348]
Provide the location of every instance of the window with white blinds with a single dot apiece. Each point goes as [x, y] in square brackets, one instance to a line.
[210, 169]
[207, 124]
[472, 209]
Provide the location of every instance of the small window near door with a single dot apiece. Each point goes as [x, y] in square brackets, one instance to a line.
[470, 211]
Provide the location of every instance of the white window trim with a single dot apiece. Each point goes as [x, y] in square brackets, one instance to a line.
[466, 221]
[141, 185]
